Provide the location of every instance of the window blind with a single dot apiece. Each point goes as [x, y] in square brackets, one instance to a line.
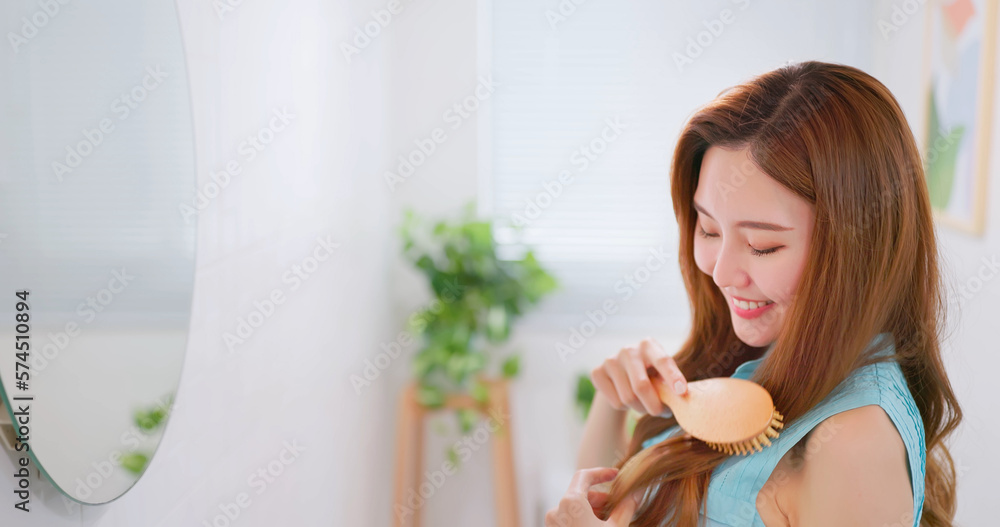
[566, 69]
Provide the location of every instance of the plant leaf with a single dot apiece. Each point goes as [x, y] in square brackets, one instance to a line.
[585, 392]
[134, 462]
[511, 366]
[467, 419]
[453, 457]
[430, 396]
[497, 324]
[481, 393]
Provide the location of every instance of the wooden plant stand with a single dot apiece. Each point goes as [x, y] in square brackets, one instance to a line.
[410, 447]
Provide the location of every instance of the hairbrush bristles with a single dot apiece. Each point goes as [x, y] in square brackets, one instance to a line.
[755, 444]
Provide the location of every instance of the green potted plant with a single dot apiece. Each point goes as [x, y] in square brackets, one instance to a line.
[477, 298]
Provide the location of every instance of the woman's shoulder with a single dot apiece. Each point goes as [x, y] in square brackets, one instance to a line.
[858, 458]
[867, 438]
[858, 434]
[880, 383]
[878, 394]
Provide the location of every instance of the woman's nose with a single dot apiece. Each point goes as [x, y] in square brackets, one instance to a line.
[729, 269]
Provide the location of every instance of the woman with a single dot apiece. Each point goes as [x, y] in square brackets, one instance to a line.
[808, 250]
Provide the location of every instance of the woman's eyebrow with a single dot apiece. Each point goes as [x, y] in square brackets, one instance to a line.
[747, 224]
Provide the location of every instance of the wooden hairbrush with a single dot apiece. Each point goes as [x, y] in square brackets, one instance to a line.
[734, 416]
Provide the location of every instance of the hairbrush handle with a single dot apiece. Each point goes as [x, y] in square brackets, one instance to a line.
[666, 393]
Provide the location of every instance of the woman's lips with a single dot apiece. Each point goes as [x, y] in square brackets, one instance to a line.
[750, 313]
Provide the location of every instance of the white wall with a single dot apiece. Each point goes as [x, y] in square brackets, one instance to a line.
[290, 381]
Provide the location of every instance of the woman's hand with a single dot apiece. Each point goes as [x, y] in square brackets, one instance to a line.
[623, 379]
[580, 505]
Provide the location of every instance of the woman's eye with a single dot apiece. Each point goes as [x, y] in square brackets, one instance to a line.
[755, 252]
[763, 252]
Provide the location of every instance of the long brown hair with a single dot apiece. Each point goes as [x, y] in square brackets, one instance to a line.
[835, 136]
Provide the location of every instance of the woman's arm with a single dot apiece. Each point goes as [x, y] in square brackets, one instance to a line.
[855, 473]
[604, 436]
[622, 382]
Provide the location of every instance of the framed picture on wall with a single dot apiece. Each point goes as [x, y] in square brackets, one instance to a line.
[959, 50]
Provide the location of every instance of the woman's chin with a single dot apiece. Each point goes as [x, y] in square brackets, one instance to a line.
[752, 335]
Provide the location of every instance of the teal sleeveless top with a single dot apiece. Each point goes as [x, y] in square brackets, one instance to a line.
[733, 487]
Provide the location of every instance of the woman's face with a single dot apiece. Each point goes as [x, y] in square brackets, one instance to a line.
[757, 241]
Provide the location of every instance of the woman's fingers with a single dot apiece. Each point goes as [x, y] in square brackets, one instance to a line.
[597, 499]
[623, 386]
[574, 509]
[624, 379]
[622, 515]
[640, 384]
[603, 383]
[655, 356]
[584, 479]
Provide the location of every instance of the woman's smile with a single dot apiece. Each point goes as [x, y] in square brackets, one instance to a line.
[750, 309]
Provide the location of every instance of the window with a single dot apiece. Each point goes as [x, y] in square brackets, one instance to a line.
[590, 99]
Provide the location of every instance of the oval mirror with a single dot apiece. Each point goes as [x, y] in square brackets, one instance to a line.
[97, 269]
